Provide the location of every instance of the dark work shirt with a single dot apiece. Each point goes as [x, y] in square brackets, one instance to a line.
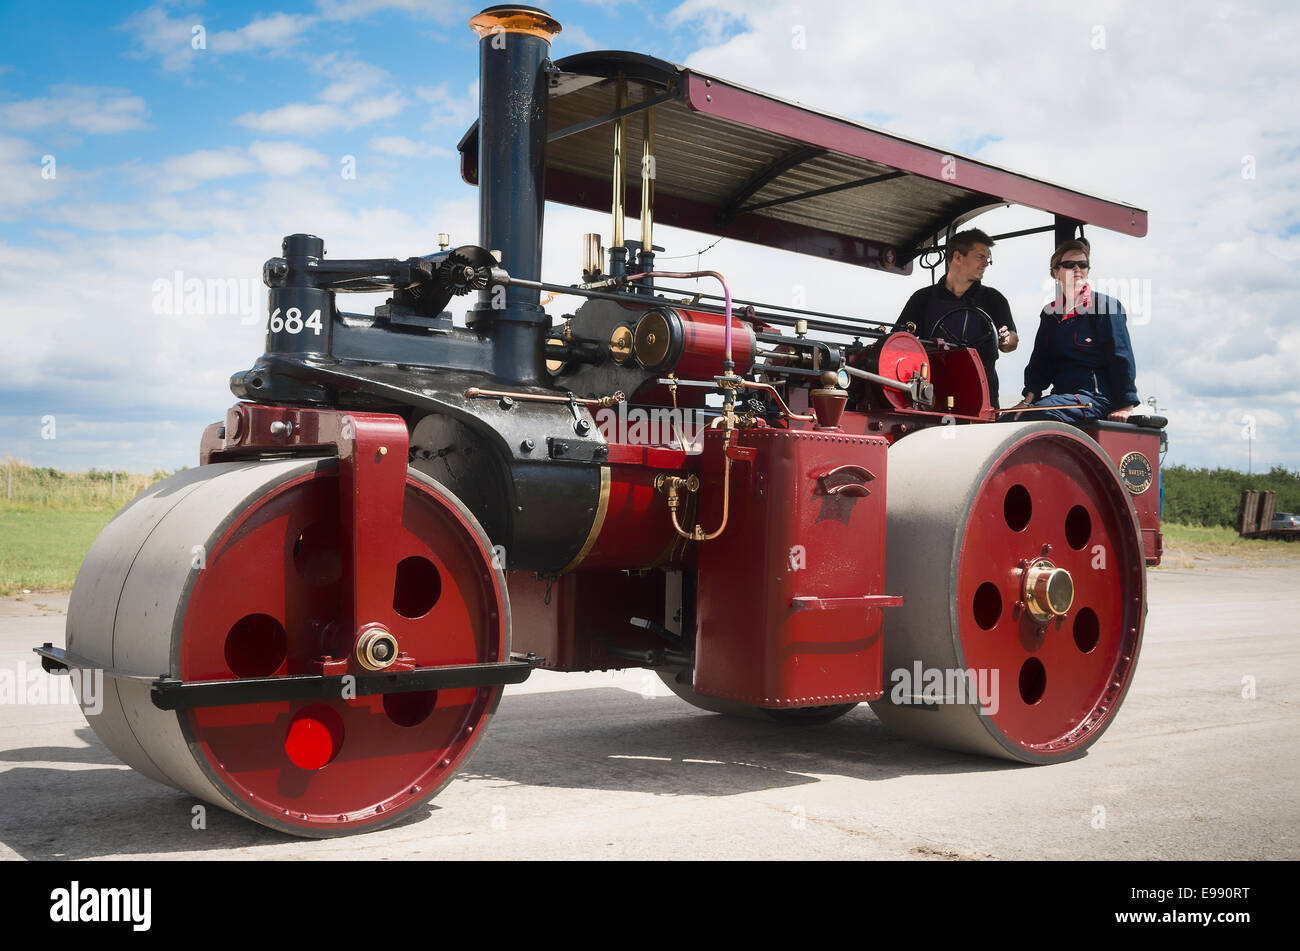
[929, 304]
[1089, 354]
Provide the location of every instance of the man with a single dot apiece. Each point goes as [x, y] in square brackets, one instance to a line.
[968, 254]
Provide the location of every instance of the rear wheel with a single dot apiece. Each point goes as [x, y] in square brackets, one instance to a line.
[1019, 559]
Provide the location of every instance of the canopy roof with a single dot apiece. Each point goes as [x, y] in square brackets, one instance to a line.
[734, 162]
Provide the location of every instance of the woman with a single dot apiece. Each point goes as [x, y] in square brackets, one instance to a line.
[1082, 349]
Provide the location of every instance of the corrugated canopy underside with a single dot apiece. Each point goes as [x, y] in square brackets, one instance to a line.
[726, 157]
[711, 160]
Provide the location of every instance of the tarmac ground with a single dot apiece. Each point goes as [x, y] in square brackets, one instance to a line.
[1199, 764]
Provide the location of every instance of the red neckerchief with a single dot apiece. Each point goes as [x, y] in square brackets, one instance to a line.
[1081, 303]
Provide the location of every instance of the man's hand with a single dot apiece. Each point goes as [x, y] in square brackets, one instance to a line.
[1008, 340]
[1026, 402]
[1121, 415]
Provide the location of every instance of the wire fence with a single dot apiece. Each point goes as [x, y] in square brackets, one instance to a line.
[23, 485]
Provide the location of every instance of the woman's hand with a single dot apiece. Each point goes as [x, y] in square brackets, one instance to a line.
[1121, 415]
[1008, 340]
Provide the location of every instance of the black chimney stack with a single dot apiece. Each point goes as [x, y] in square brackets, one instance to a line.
[514, 46]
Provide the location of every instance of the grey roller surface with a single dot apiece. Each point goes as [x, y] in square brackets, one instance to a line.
[934, 477]
[128, 607]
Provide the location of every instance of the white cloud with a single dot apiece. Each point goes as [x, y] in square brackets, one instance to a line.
[89, 110]
[275, 32]
[171, 39]
[1116, 102]
[1143, 119]
[303, 118]
[402, 147]
[574, 36]
[276, 159]
[349, 77]
[457, 110]
[286, 158]
[344, 103]
[375, 108]
[21, 165]
[297, 118]
[183, 172]
[83, 362]
[440, 11]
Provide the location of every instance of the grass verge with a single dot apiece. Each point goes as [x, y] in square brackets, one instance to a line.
[42, 548]
[1186, 545]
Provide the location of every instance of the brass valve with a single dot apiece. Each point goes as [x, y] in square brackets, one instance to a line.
[673, 485]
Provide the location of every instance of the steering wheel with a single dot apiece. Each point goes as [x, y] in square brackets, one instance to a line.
[990, 334]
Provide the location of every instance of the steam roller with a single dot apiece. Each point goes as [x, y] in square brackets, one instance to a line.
[1019, 560]
[236, 572]
[782, 512]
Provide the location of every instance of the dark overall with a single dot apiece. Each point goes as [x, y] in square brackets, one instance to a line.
[1087, 358]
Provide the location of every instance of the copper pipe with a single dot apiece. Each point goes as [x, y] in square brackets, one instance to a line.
[1042, 409]
[698, 535]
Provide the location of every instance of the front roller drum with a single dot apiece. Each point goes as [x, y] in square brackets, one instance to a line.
[235, 570]
[1019, 559]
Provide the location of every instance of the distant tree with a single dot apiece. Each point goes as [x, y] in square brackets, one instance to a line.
[1213, 496]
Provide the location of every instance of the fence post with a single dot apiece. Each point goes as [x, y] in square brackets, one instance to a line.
[10, 469]
[112, 493]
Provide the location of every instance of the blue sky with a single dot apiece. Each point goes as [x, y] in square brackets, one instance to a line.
[169, 159]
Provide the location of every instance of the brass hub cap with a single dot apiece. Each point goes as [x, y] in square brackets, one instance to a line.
[1049, 591]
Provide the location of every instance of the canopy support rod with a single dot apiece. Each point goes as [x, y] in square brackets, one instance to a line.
[857, 183]
[610, 117]
[777, 168]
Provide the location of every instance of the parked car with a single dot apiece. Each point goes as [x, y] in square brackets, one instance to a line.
[1283, 520]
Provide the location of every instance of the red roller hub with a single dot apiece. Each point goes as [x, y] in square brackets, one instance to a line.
[268, 602]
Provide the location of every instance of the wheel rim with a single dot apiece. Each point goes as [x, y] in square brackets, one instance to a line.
[1059, 682]
[268, 602]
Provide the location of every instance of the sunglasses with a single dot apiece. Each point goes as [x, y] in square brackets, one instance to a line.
[1071, 265]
